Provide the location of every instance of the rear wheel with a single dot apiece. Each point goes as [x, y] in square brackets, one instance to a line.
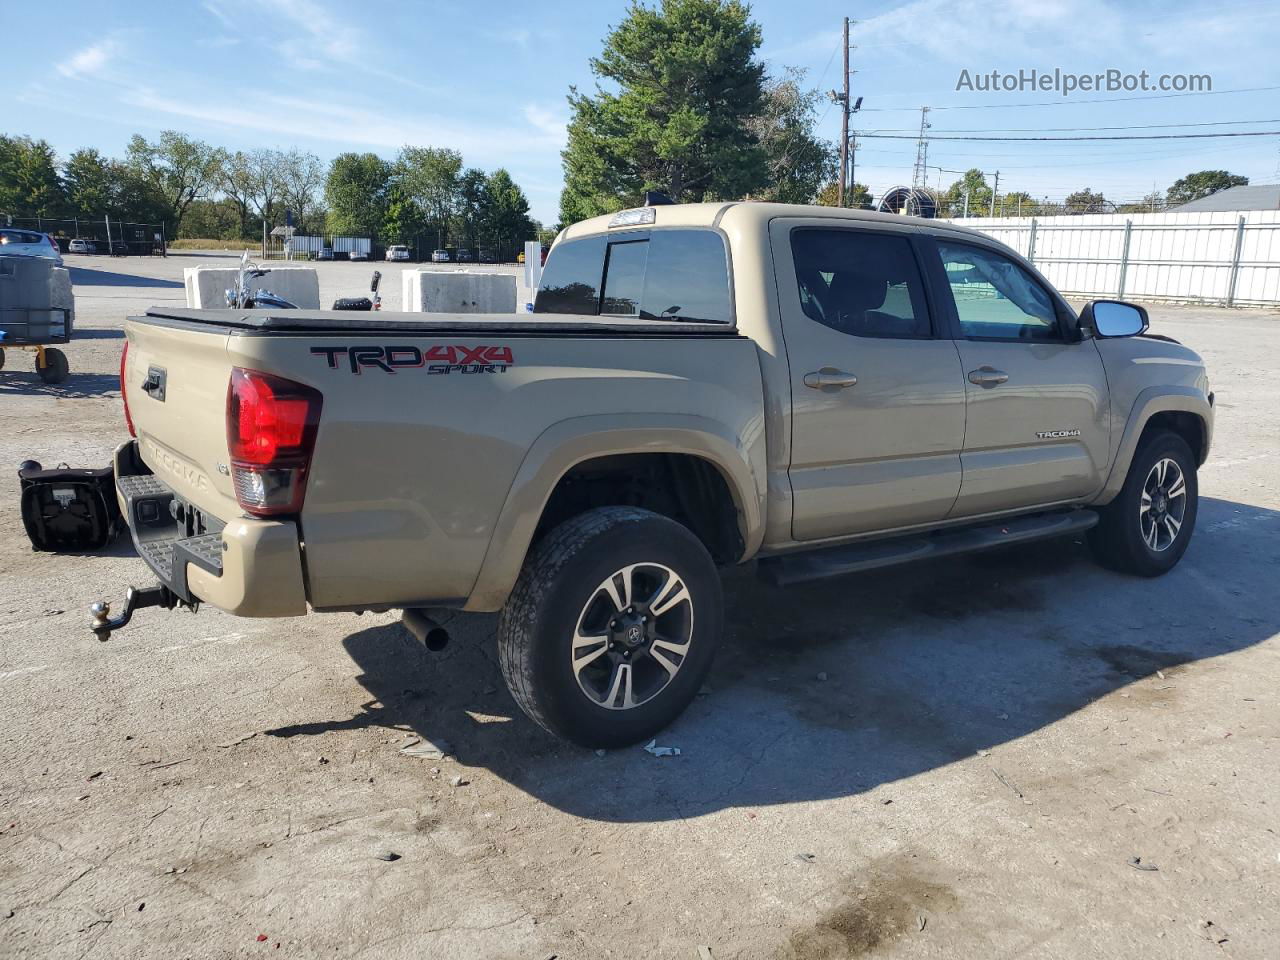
[56, 368]
[1, 359]
[1145, 530]
[612, 626]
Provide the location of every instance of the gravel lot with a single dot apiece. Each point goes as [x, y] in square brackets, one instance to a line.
[994, 740]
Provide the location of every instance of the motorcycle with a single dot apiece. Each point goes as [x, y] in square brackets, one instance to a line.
[373, 302]
[240, 297]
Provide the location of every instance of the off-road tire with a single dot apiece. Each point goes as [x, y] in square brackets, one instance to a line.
[1117, 541]
[559, 578]
[56, 368]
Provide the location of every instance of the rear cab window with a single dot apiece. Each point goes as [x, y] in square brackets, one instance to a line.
[20, 236]
[674, 274]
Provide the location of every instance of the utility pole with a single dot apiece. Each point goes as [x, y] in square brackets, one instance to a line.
[994, 191]
[844, 120]
[920, 175]
[845, 181]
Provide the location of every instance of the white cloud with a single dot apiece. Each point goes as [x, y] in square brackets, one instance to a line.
[551, 123]
[323, 36]
[220, 15]
[520, 37]
[90, 60]
[1077, 35]
[359, 125]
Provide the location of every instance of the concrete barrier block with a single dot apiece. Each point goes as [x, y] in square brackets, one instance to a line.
[435, 291]
[206, 286]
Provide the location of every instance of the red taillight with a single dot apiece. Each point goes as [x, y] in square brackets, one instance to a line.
[124, 393]
[271, 432]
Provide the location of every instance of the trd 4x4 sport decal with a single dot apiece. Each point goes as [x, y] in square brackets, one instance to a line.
[437, 359]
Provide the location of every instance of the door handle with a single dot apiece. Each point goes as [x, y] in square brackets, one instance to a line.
[987, 376]
[829, 378]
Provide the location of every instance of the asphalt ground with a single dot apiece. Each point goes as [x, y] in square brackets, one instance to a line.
[955, 759]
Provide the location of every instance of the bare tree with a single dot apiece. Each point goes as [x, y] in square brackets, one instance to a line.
[302, 177]
[265, 180]
[237, 184]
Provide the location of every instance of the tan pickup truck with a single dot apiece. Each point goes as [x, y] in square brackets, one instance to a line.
[821, 390]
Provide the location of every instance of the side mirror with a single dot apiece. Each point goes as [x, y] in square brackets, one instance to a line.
[1114, 318]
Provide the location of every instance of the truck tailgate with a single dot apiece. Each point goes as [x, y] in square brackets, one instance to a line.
[175, 381]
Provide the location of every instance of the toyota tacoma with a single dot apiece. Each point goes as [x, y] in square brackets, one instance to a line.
[822, 391]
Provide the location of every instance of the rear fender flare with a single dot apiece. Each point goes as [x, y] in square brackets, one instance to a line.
[563, 445]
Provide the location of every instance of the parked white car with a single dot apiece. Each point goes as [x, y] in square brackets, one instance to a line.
[82, 246]
[439, 256]
[357, 255]
[398, 252]
[28, 243]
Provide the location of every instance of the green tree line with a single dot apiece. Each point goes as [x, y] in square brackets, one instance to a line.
[973, 184]
[427, 195]
[198, 190]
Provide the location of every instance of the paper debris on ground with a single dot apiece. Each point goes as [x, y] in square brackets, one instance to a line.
[657, 751]
[425, 749]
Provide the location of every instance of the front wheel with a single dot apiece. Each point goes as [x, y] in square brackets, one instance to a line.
[612, 626]
[1145, 530]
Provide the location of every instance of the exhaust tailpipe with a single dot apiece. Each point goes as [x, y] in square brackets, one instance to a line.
[425, 630]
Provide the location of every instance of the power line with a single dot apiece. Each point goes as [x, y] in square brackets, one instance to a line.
[1073, 102]
[1136, 126]
[1144, 136]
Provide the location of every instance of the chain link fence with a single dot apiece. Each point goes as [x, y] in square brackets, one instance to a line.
[117, 237]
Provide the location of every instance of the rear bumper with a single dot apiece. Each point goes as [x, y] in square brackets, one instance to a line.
[248, 567]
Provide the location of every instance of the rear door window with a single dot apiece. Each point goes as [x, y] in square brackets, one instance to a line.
[861, 283]
[653, 275]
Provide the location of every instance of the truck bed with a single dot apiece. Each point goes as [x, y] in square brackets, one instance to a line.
[430, 428]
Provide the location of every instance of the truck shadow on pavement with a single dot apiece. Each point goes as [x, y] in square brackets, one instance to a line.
[93, 277]
[838, 688]
[77, 386]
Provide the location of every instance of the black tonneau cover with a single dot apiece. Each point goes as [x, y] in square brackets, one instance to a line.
[251, 322]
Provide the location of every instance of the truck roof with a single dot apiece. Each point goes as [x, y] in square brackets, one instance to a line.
[745, 212]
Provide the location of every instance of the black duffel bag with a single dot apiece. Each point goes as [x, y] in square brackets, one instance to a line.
[69, 510]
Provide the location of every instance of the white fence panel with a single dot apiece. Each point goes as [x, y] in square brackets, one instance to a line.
[1220, 257]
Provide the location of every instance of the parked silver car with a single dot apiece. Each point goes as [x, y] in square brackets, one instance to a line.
[398, 252]
[439, 256]
[82, 246]
[28, 243]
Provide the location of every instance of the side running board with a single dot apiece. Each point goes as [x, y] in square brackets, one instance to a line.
[820, 564]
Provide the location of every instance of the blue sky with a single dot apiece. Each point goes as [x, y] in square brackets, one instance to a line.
[489, 79]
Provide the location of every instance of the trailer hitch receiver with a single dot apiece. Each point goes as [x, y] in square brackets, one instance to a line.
[135, 598]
